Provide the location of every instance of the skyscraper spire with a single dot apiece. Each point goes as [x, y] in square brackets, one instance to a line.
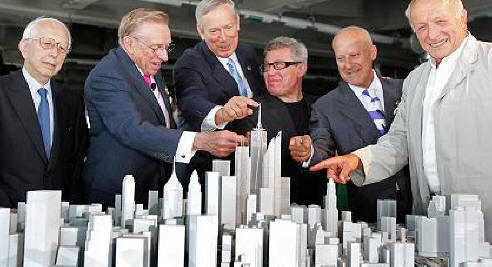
[258, 125]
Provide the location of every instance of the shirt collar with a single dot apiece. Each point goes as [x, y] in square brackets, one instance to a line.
[224, 60]
[33, 84]
[374, 86]
[152, 80]
[452, 58]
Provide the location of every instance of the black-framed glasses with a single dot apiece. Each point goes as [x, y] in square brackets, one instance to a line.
[50, 43]
[277, 65]
[156, 48]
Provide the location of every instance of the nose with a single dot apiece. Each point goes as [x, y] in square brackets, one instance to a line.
[222, 35]
[162, 55]
[433, 32]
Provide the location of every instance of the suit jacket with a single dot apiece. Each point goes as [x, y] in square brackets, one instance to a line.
[340, 123]
[24, 165]
[306, 187]
[462, 129]
[202, 82]
[128, 134]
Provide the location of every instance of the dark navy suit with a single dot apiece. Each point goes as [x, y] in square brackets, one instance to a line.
[201, 83]
[340, 123]
[128, 133]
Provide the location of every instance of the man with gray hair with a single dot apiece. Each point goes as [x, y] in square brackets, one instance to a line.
[286, 108]
[216, 79]
[42, 123]
[353, 115]
[441, 128]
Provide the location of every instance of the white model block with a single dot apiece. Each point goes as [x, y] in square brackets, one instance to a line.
[117, 207]
[303, 244]
[16, 249]
[226, 256]
[299, 213]
[130, 252]
[223, 167]
[463, 201]
[326, 255]
[127, 201]
[139, 210]
[194, 196]
[98, 248]
[21, 216]
[330, 213]
[437, 207]
[388, 224]
[410, 222]
[285, 200]
[78, 211]
[386, 208]
[267, 201]
[72, 236]
[42, 227]
[432, 236]
[402, 254]
[203, 233]
[153, 202]
[4, 236]
[212, 193]
[464, 232]
[250, 208]
[249, 246]
[172, 198]
[374, 265]
[68, 255]
[346, 216]
[258, 147]
[314, 215]
[243, 175]
[284, 247]
[228, 200]
[371, 248]
[171, 249]
[354, 255]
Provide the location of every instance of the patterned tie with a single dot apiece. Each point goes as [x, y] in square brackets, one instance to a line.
[375, 112]
[160, 100]
[240, 83]
[44, 120]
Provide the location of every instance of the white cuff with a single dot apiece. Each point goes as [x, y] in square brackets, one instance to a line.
[184, 152]
[308, 162]
[208, 123]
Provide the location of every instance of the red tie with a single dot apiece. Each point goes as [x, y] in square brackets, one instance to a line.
[147, 80]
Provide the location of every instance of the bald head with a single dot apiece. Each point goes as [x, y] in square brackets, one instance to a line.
[355, 54]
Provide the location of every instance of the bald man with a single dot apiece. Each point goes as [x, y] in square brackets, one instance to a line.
[353, 115]
[441, 128]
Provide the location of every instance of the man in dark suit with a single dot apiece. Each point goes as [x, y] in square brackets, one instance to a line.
[285, 108]
[354, 115]
[42, 124]
[215, 79]
[131, 127]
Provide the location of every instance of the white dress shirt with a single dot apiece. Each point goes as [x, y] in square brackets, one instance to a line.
[438, 78]
[208, 123]
[184, 151]
[34, 86]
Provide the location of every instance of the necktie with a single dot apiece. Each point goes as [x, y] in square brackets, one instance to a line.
[375, 112]
[44, 120]
[240, 83]
[159, 98]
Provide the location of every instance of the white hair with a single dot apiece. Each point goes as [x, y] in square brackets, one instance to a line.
[30, 30]
[298, 49]
[205, 6]
[459, 10]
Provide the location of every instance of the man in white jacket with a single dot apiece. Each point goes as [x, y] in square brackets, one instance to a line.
[441, 128]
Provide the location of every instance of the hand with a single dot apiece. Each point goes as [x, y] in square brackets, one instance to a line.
[300, 148]
[220, 143]
[339, 168]
[236, 108]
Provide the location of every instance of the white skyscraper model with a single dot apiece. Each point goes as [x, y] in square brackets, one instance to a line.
[4, 236]
[330, 213]
[258, 147]
[284, 244]
[98, 249]
[171, 249]
[172, 206]
[127, 200]
[43, 210]
[272, 176]
[194, 196]
[203, 235]
[243, 176]
[249, 246]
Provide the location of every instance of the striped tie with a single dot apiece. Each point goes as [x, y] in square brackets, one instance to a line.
[240, 83]
[376, 113]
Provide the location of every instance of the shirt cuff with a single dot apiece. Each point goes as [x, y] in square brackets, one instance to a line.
[308, 162]
[184, 152]
[208, 123]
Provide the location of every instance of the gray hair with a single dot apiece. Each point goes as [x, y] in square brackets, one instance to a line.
[298, 49]
[30, 32]
[459, 10]
[205, 6]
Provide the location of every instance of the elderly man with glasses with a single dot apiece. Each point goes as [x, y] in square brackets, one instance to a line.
[42, 124]
[285, 108]
[132, 130]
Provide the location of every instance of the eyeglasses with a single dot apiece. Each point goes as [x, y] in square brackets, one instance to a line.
[50, 43]
[156, 48]
[276, 65]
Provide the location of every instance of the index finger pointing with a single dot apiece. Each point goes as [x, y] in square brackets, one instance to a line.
[253, 103]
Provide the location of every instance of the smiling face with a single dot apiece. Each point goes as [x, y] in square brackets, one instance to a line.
[220, 30]
[439, 26]
[42, 64]
[147, 46]
[285, 84]
[354, 56]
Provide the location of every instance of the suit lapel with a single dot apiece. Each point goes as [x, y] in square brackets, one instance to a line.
[355, 111]
[57, 129]
[390, 100]
[22, 102]
[135, 78]
[162, 89]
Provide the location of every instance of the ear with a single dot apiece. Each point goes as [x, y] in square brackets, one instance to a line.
[302, 69]
[200, 31]
[128, 44]
[238, 23]
[374, 52]
[464, 18]
[23, 48]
